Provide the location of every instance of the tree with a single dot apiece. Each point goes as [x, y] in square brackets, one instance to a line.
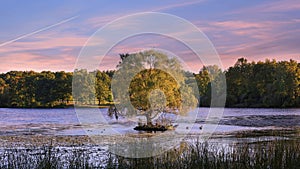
[152, 81]
[4, 95]
[16, 81]
[103, 91]
[45, 89]
[155, 85]
[153, 91]
[63, 86]
[208, 76]
[263, 84]
[83, 86]
[238, 82]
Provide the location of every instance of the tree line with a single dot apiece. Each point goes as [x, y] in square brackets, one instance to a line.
[254, 84]
[249, 84]
[51, 89]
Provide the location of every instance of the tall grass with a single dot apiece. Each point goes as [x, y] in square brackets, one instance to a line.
[272, 154]
[276, 154]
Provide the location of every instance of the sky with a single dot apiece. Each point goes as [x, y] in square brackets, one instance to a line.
[49, 35]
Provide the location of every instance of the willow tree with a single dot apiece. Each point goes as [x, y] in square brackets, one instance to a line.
[150, 83]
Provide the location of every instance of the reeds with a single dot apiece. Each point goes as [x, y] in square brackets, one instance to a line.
[276, 154]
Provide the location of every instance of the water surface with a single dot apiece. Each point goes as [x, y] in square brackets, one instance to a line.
[65, 121]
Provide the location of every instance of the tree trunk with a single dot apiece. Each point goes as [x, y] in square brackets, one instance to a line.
[148, 117]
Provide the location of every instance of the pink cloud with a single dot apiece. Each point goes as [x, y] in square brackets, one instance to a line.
[98, 22]
[29, 61]
[254, 40]
[34, 54]
[237, 24]
[281, 6]
[271, 7]
[45, 41]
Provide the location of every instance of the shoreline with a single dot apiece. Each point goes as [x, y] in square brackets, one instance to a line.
[13, 141]
[109, 104]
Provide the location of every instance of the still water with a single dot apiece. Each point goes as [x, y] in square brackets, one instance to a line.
[66, 121]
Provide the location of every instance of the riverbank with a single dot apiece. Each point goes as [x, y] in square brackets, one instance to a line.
[106, 105]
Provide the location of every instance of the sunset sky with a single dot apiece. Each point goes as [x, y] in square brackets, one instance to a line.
[48, 35]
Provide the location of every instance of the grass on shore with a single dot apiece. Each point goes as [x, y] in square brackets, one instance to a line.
[271, 154]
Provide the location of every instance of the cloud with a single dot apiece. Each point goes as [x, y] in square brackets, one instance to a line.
[38, 31]
[99, 21]
[280, 6]
[177, 5]
[255, 40]
[270, 7]
[30, 61]
[254, 32]
[237, 24]
[51, 51]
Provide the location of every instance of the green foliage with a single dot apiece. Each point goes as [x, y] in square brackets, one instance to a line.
[211, 77]
[103, 90]
[155, 85]
[83, 86]
[261, 84]
[52, 89]
[154, 88]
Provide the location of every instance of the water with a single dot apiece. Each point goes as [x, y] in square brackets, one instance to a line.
[66, 122]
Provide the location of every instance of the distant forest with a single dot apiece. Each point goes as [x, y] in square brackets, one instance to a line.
[257, 84]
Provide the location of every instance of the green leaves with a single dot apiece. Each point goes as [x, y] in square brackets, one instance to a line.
[154, 86]
[263, 84]
[103, 91]
[150, 82]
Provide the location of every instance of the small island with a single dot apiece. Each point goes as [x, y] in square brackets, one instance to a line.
[151, 128]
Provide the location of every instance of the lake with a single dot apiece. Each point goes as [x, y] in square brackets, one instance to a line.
[65, 121]
[22, 128]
